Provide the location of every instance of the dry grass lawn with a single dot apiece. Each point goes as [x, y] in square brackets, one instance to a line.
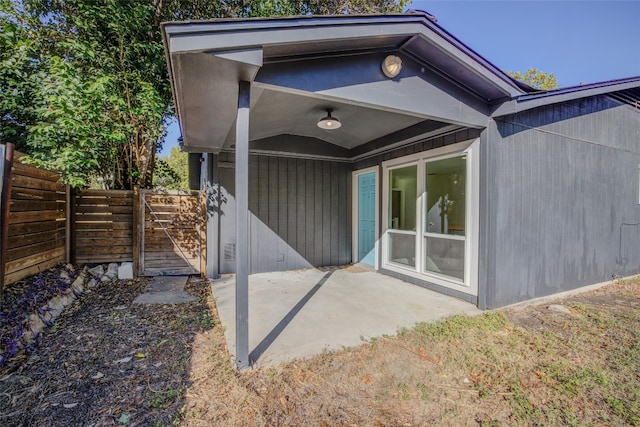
[532, 366]
[107, 361]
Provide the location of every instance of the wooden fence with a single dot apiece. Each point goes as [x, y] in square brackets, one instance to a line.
[6, 158]
[47, 224]
[172, 239]
[103, 226]
[37, 231]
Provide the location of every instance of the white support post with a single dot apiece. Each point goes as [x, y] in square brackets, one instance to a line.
[242, 226]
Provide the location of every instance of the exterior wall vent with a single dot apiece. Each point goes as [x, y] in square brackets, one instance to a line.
[229, 251]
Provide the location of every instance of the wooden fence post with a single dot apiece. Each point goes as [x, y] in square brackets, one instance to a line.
[5, 200]
[70, 232]
[137, 224]
[3, 149]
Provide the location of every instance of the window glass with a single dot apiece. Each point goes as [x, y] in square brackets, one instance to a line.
[403, 188]
[444, 256]
[402, 248]
[445, 186]
[440, 250]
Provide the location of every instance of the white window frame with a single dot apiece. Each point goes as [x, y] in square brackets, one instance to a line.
[470, 148]
[410, 161]
[354, 214]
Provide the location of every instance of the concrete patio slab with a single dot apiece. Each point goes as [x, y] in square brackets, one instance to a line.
[165, 290]
[297, 314]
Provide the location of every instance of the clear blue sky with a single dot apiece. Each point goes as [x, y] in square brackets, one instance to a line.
[578, 41]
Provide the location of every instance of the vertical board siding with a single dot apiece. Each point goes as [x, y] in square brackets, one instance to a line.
[310, 231]
[441, 141]
[300, 214]
[37, 222]
[563, 181]
[261, 169]
[103, 226]
[292, 230]
[334, 214]
[227, 259]
[344, 227]
[318, 201]
[301, 208]
[273, 193]
[326, 213]
[283, 214]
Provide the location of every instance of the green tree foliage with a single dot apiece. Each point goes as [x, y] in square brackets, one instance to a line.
[75, 133]
[83, 83]
[172, 172]
[198, 9]
[536, 79]
[18, 63]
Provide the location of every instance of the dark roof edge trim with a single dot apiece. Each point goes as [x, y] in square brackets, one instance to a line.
[542, 98]
[221, 25]
[248, 24]
[578, 88]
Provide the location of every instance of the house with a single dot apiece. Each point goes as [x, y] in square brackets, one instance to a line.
[385, 140]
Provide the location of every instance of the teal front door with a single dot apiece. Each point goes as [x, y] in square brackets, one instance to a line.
[367, 217]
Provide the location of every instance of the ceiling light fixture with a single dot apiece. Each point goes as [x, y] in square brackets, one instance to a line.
[391, 66]
[329, 122]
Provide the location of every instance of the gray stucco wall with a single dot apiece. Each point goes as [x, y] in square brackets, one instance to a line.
[300, 213]
[561, 182]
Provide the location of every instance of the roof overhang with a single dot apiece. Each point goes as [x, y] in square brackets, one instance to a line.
[542, 98]
[286, 58]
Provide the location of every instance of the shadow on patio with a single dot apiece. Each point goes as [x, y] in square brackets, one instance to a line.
[297, 314]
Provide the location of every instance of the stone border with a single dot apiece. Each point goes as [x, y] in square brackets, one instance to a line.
[87, 279]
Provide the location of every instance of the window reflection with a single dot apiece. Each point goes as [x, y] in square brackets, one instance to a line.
[440, 249]
[403, 191]
[445, 216]
[446, 181]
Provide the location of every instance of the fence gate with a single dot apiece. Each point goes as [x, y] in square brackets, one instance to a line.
[172, 236]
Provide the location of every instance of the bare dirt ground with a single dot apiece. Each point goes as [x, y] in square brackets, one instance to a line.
[108, 362]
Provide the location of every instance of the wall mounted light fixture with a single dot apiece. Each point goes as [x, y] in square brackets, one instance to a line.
[391, 66]
[328, 122]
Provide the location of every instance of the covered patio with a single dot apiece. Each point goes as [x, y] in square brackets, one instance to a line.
[302, 313]
[326, 141]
